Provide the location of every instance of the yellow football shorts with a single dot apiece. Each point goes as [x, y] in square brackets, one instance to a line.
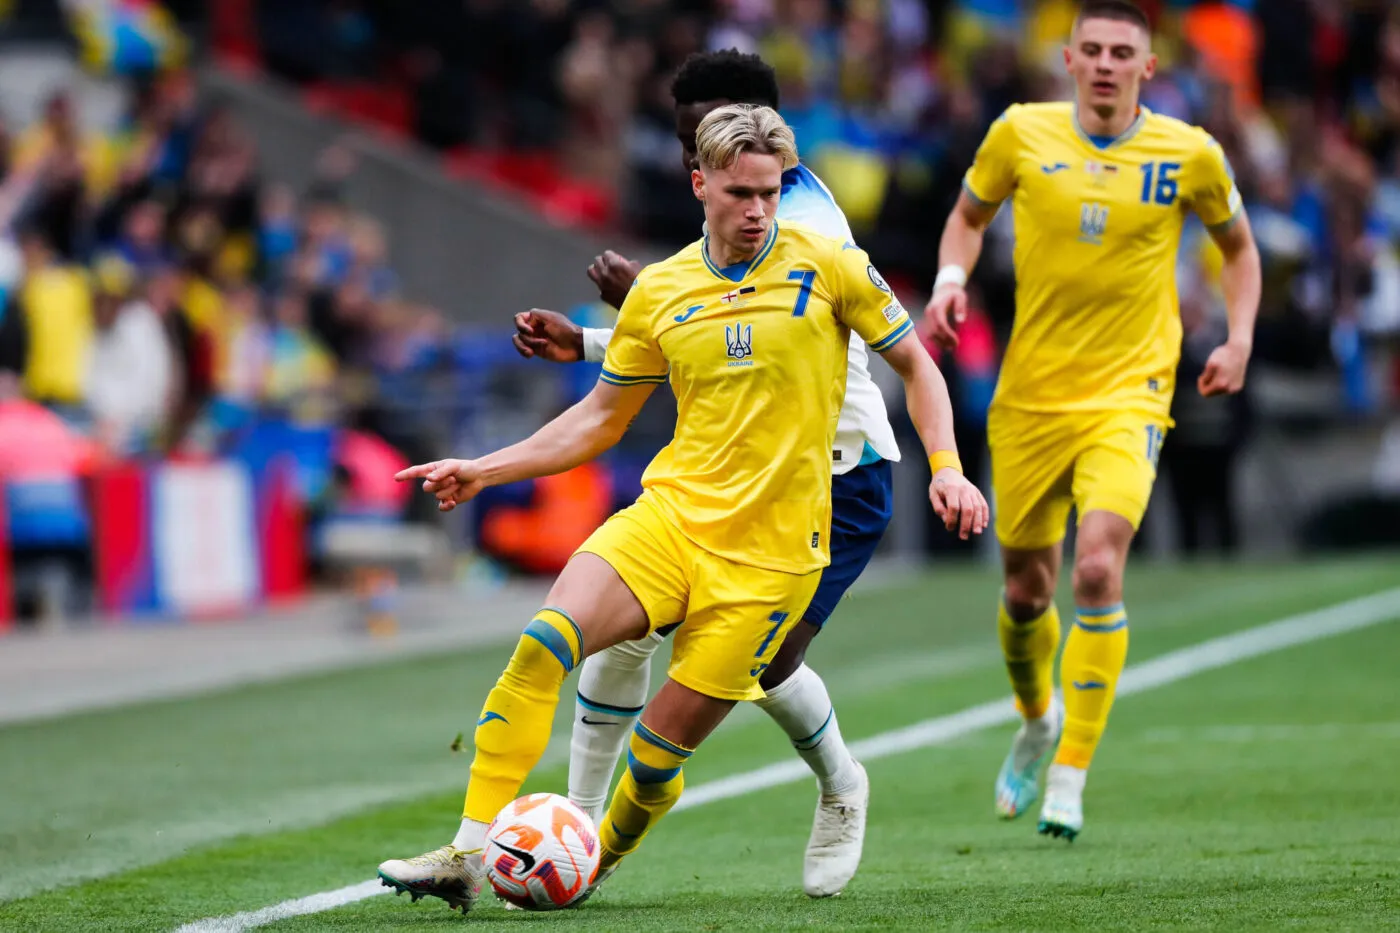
[734, 616]
[1042, 463]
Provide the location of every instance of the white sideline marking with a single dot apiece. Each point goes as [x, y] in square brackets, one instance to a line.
[1169, 668]
[326, 900]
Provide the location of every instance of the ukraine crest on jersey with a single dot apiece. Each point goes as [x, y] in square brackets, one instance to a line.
[1097, 223]
[756, 356]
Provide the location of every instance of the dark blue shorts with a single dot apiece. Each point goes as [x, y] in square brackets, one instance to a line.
[862, 502]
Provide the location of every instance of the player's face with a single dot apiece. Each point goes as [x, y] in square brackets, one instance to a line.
[740, 201]
[1108, 60]
[688, 117]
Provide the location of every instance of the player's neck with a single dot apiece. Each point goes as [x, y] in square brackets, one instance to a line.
[725, 254]
[1111, 123]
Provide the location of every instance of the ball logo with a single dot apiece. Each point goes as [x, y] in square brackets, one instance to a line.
[542, 852]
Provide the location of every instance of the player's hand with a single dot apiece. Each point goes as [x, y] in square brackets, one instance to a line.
[548, 335]
[958, 503]
[451, 482]
[943, 314]
[614, 275]
[1225, 370]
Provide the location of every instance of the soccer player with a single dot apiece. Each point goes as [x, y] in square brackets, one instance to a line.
[750, 326]
[1100, 189]
[614, 684]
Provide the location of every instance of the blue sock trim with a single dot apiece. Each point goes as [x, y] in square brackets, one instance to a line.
[1099, 613]
[578, 632]
[1103, 629]
[597, 707]
[651, 738]
[553, 639]
[644, 773]
[813, 740]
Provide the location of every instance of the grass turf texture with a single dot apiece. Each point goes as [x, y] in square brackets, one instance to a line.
[1258, 796]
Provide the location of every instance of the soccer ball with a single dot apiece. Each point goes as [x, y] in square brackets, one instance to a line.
[541, 852]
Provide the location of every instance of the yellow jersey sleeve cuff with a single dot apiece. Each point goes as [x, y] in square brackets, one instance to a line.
[1227, 223]
[893, 337]
[967, 189]
[618, 379]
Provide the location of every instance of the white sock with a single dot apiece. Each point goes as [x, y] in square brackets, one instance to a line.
[612, 689]
[802, 707]
[1066, 779]
[471, 836]
[1040, 733]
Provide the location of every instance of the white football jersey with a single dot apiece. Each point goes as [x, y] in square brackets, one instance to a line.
[863, 421]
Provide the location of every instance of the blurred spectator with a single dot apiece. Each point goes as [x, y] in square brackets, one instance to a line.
[56, 301]
[1201, 460]
[130, 378]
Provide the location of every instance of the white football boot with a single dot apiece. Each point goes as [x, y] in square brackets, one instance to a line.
[1062, 816]
[448, 873]
[1018, 784]
[838, 834]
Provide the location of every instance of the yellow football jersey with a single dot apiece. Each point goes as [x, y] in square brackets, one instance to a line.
[1097, 225]
[756, 356]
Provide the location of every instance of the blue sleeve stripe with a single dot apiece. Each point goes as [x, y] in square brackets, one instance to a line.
[967, 189]
[890, 340]
[620, 380]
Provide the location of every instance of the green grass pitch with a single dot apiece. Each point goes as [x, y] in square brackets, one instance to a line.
[1259, 796]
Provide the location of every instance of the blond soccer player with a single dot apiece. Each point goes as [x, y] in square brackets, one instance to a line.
[1100, 188]
[749, 326]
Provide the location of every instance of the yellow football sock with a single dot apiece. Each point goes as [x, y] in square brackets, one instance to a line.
[515, 722]
[650, 786]
[1094, 654]
[1029, 649]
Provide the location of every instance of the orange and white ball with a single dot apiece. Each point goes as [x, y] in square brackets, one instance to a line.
[541, 852]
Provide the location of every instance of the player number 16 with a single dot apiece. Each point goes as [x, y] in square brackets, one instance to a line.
[1159, 182]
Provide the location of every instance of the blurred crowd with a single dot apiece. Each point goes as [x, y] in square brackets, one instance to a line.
[160, 296]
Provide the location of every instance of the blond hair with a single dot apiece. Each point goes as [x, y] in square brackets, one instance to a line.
[730, 131]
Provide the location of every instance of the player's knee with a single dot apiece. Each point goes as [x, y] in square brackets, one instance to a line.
[1028, 595]
[1098, 576]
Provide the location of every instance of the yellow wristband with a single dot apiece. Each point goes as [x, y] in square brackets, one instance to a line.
[945, 458]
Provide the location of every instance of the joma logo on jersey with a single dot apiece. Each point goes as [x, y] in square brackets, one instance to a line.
[738, 341]
[1093, 220]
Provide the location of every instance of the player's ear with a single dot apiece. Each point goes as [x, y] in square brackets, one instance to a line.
[1069, 56]
[697, 183]
[1149, 68]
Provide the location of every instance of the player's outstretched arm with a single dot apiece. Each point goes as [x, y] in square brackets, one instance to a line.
[955, 499]
[957, 256]
[583, 432]
[1240, 278]
[551, 336]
